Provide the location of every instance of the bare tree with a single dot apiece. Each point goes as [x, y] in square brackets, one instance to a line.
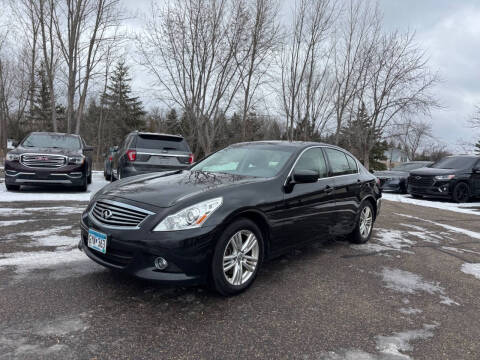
[300, 58]
[356, 33]
[190, 48]
[398, 82]
[81, 40]
[413, 136]
[254, 61]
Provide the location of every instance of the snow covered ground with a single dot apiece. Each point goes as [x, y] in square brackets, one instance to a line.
[34, 193]
[472, 208]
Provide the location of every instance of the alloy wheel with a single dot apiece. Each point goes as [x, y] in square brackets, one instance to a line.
[461, 192]
[366, 221]
[240, 258]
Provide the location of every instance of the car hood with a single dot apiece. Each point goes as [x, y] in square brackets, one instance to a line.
[167, 188]
[432, 172]
[51, 151]
[385, 174]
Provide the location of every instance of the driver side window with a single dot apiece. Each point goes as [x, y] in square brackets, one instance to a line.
[313, 159]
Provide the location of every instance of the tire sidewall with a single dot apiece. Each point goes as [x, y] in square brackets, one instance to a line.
[455, 191]
[218, 280]
[357, 236]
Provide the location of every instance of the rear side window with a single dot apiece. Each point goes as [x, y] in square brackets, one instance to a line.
[313, 159]
[159, 142]
[339, 162]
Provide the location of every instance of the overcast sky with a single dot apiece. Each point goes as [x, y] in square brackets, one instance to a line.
[448, 30]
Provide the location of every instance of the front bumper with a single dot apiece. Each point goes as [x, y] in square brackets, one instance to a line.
[188, 252]
[438, 189]
[68, 175]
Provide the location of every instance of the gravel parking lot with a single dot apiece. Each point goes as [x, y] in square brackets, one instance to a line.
[412, 292]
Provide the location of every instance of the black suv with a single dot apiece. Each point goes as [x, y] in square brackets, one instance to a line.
[453, 177]
[142, 153]
[45, 158]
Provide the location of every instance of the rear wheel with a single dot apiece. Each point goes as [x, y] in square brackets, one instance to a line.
[461, 193]
[363, 229]
[237, 258]
[12, 187]
[89, 178]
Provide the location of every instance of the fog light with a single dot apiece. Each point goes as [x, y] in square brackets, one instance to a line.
[161, 263]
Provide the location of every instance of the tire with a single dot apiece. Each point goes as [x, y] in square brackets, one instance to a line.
[108, 176]
[230, 281]
[363, 229]
[12, 187]
[461, 193]
[415, 196]
[84, 186]
[89, 178]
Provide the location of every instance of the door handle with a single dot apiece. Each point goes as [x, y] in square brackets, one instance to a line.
[328, 189]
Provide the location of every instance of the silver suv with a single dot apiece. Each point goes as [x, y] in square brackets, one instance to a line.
[143, 152]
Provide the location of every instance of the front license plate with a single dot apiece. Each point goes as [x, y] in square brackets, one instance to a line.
[97, 241]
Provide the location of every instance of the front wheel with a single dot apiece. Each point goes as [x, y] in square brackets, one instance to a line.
[12, 187]
[461, 193]
[237, 258]
[363, 229]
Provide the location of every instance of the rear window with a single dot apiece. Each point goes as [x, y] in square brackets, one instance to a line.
[455, 162]
[159, 142]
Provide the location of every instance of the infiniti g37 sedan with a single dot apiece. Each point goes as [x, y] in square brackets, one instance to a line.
[219, 220]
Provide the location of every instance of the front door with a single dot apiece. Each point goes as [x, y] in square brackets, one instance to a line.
[307, 208]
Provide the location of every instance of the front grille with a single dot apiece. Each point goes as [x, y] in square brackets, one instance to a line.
[417, 180]
[112, 213]
[43, 161]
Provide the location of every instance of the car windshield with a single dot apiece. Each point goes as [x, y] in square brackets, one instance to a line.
[160, 142]
[52, 141]
[247, 160]
[410, 166]
[455, 162]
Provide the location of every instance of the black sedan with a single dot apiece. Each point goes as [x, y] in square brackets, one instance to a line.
[218, 221]
[396, 178]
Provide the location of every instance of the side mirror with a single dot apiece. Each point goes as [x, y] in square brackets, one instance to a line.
[14, 144]
[305, 176]
[115, 149]
[88, 148]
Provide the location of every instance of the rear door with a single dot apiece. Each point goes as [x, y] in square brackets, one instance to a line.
[308, 208]
[161, 153]
[347, 184]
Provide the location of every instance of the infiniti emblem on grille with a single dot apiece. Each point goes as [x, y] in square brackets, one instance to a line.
[418, 177]
[106, 214]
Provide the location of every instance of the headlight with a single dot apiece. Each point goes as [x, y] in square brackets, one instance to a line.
[191, 217]
[76, 160]
[444, 177]
[12, 157]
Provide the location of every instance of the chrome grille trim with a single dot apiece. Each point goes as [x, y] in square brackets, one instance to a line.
[47, 161]
[124, 216]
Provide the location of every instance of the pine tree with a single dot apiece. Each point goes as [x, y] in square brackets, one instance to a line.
[40, 114]
[125, 112]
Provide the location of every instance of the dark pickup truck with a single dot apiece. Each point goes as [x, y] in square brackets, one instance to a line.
[45, 158]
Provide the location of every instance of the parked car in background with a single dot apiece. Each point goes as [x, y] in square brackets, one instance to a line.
[47, 158]
[396, 179]
[107, 165]
[453, 177]
[143, 152]
[220, 219]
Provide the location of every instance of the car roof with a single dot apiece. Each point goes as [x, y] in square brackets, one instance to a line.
[158, 134]
[52, 133]
[295, 144]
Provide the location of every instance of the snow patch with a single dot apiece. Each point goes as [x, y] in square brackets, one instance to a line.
[410, 311]
[13, 222]
[396, 344]
[442, 205]
[455, 229]
[387, 240]
[409, 283]
[49, 194]
[471, 269]
[64, 210]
